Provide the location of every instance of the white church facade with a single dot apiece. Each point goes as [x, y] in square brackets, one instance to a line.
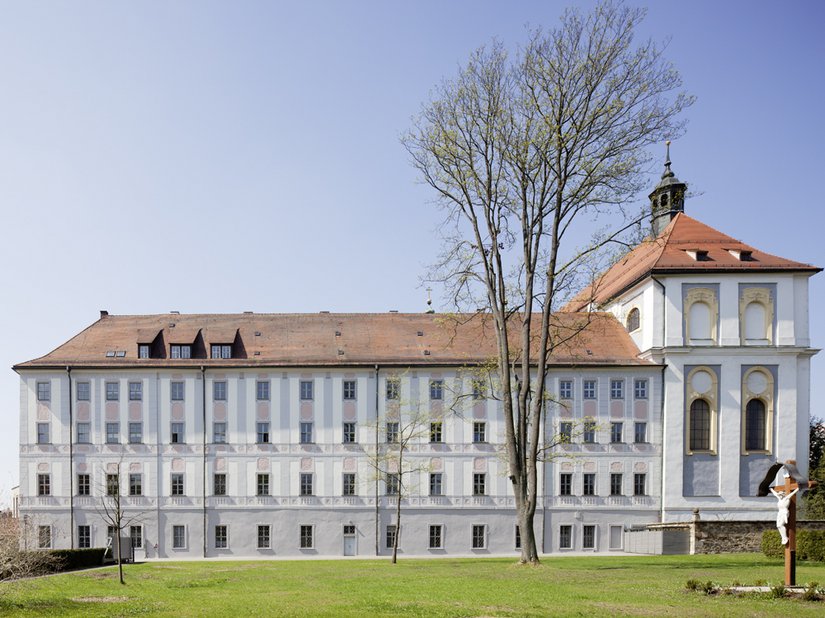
[260, 434]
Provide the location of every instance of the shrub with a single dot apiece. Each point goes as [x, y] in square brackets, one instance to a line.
[708, 587]
[810, 593]
[70, 559]
[772, 544]
[778, 591]
[810, 545]
[692, 584]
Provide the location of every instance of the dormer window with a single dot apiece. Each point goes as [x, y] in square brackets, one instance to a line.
[700, 255]
[221, 350]
[743, 255]
[143, 350]
[180, 351]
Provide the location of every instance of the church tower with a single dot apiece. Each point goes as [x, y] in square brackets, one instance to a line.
[667, 199]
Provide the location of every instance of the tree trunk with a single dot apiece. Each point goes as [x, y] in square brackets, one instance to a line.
[397, 525]
[525, 513]
[119, 559]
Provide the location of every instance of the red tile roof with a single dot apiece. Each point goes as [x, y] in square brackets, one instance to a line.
[330, 339]
[670, 253]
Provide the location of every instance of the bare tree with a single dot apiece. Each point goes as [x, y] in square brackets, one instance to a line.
[518, 152]
[111, 509]
[16, 559]
[404, 425]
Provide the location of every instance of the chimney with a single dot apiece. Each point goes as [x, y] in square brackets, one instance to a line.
[103, 313]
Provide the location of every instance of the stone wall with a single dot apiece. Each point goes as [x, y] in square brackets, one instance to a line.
[716, 537]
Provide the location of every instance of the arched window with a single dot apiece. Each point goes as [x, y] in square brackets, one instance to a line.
[699, 425]
[633, 320]
[755, 321]
[699, 320]
[755, 425]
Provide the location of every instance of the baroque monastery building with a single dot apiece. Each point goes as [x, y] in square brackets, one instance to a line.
[256, 434]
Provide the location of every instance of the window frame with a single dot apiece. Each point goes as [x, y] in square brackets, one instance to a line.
[306, 390]
[44, 537]
[87, 432]
[348, 433]
[112, 391]
[177, 432]
[112, 432]
[392, 484]
[479, 432]
[640, 483]
[44, 433]
[436, 432]
[349, 390]
[616, 432]
[306, 485]
[306, 429]
[218, 433]
[262, 486]
[436, 484]
[135, 391]
[349, 486]
[307, 536]
[616, 389]
[262, 433]
[219, 390]
[565, 536]
[436, 389]
[221, 536]
[436, 536]
[135, 484]
[392, 389]
[263, 533]
[178, 536]
[566, 389]
[589, 530]
[589, 432]
[390, 532]
[84, 536]
[640, 388]
[83, 391]
[44, 484]
[616, 486]
[640, 430]
[589, 484]
[135, 432]
[43, 390]
[219, 484]
[391, 432]
[263, 391]
[177, 486]
[479, 484]
[565, 483]
[590, 389]
[84, 484]
[478, 536]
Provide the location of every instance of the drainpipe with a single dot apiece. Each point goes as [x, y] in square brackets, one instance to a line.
[203, 484]
[71, 462]
[662, 402]
[377, 514]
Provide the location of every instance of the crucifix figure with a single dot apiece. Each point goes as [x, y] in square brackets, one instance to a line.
[786, 509]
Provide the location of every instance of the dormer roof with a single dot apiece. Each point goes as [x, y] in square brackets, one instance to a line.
[684, 246]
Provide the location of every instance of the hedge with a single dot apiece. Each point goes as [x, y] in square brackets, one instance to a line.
[70, 559]
[810, 545]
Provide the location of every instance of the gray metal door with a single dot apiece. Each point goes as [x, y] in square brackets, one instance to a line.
[349, 545]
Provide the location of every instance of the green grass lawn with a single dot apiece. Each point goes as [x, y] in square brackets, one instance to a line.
[563, 586]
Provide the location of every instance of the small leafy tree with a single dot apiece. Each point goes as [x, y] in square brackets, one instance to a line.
[815, 498]
[111, 509]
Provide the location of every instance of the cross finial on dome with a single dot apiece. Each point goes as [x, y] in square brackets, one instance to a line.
[668, 173]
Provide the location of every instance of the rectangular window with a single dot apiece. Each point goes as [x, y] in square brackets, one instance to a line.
[565, 432]
[392, 483]
[640, 389]
[393, 388]
[112, 484]
[589, 484]
[349, 484]
[435, 431]
[307, 390]
[219, 391]
[617, 389]
[589, 432]
[177, 484]
[112, 391]
[44, 537]
[589, 389]
[180, 351]
[219, 432]
[44, 391]
[262, 390]
[264, 537]
[306, 433]
[566, 484]
[221, 537]
[639, 482]
[84, 391]
[84, 537]
[479, 536]
[143, 351]
[436, 537]
[219, 484]
[479, 483]
[306, 483]
[615, 484]
[177, 433]
[588, 537]
[349, 433]
[615, 432]
[349, 529]
[135, 391]
[178, 537]
[565, 537]
[565, 389]
[436, 389]
[135, 433]
[392, 431]
[306, 537]
[262, 485]
[135, 484]
[84, 485]
[136, 534]
[84, 433]
[435, 484]
[390, 536]
[349, 389]
[262, 433]
[44, 485]
[177, 389]
[221, 351]
[479, 432]
[479, 390]
[112, 433]
[640, 433]
[42, 433]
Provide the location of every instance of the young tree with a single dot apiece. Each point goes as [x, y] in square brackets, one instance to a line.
[111, 509]
[815, 498]
[17, 560]
[518, 152]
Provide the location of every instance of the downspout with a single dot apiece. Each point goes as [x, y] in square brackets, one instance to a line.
[377, 514]
[71, 462]
[662, 400]
[203, 484]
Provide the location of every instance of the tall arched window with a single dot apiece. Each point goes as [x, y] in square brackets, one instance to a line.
[699, 425]
[755, 417]
[699, 320]
[633, 320]
[755, 322]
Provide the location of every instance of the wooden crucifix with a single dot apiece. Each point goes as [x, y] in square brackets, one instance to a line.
[786, 509]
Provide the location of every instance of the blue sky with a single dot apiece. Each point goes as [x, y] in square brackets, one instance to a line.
[222, 157]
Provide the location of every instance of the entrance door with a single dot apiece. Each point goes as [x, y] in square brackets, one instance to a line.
[349, 540]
